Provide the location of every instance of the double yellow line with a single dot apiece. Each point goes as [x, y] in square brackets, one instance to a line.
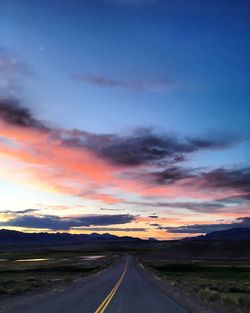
[109, 297]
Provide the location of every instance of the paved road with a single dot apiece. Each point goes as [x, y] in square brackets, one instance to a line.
[123, 288]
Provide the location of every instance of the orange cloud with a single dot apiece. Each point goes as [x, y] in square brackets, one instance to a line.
[52, 166]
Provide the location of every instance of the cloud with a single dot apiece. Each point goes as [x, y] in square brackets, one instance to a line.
[101, 166]
[237, 179]
[115, 229]
[204, 207]
[235, 200]
[65, 223]
[213, 141]
[207, 228]
[227, 178]
[217, 205]
[98, 80]
[136, 85]
[170, 175]
[110, 209]
[154, 224]
[19, 212]
[143, 146]
[14, 114]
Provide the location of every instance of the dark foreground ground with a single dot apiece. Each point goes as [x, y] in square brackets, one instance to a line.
[134, 290]
[222, 286]
[210, 277]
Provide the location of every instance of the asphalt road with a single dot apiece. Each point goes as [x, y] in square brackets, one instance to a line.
[123, 288]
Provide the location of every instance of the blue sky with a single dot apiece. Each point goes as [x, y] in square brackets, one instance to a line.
[112, 66]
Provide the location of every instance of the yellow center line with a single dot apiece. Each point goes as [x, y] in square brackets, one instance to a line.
[109, 297]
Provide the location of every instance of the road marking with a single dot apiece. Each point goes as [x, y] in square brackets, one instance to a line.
[102, 307]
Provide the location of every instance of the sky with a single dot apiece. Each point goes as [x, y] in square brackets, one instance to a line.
[124, 116]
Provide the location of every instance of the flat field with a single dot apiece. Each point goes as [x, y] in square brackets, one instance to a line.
[23, 272]
[226, 283]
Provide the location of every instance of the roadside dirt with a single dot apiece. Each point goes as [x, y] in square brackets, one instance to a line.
[190, 302]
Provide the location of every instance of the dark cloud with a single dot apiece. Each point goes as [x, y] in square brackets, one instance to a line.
[220, 178]
[138, 85]
[143, 146]
[227, 178]
[225, 204]
[154, 224]
[153, 216]
[19, 212]
[63, 223]
[207, 228]
[213, 141]
[105, 209]
[115, 229]
[239, 199]
[98, 80]
[13, 113]
[169, 175]
[205, 206]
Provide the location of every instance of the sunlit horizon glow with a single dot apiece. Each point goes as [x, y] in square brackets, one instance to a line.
[124, 118]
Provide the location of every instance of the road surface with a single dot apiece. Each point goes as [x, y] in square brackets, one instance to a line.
[123, 288]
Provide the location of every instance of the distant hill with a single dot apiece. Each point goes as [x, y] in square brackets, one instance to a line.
[219, 245]
[229, 244]
[9, 237]
[235, 234]
[230, 234]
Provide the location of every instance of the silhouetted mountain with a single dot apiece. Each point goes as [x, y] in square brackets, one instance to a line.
[16, 237]
[228, 234]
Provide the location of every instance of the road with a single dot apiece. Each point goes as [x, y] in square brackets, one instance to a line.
[123, 288]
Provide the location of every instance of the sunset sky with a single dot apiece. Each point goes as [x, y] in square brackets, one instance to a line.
[124, 116]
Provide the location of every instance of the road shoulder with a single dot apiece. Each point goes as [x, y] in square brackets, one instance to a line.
[190, 303]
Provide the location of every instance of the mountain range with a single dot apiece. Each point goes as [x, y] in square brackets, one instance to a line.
[9, 237]
[17, 237]
[239, 233]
